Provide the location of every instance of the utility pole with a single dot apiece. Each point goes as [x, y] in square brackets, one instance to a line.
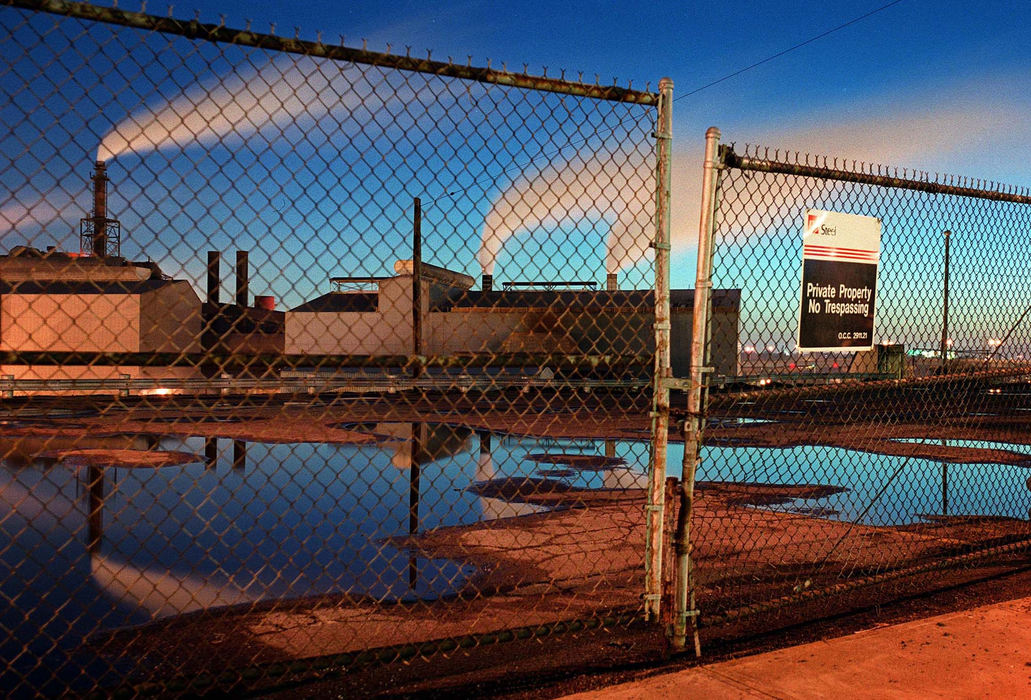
[945, 306]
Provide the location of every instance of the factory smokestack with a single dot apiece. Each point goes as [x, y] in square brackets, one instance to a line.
[99, 237]
[214, 275]
[99, 234]
[610, 282]
[487, 283]
[242, 279]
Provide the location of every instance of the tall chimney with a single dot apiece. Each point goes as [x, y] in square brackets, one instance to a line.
[214, 263]
[610, 282]
[209, 312]
[242, 278]
[100, 210]
[487, 283]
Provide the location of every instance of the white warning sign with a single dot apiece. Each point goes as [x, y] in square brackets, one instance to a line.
[840, 257]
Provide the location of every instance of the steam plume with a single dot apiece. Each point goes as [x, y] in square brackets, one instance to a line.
[924, 131]
[597, 188]
[287, 92]
[41, 211]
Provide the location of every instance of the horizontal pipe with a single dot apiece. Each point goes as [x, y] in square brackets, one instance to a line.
[173, 359]
[750, 163]
[219, 33]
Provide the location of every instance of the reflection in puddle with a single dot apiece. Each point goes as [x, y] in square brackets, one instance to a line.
[162, 592]
[578, 461]
[878, 489]
[102, 546]
[556, 473]
[494, 503]
[733, 422]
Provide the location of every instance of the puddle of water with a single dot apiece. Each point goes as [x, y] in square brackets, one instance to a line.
[255, 521]
[880, 489]
[261, 521]
[557, 473]
[578, 461]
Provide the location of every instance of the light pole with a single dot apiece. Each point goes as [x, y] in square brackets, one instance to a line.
[945, 305]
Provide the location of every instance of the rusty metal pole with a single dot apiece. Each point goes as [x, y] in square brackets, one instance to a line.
[663, 371]
[693, 425]
[417, 289]
[413, 502]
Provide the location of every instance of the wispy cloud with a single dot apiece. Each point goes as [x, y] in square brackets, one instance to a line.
[932, 132]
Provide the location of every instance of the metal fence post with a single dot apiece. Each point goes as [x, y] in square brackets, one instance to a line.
[663, 371]
[684, 603]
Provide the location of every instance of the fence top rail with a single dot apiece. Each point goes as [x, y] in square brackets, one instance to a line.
[827, 168]
[194, 29]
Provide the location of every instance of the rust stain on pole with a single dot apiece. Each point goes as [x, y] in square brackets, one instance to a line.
[218, 33]
[663, 371]
[693, 426]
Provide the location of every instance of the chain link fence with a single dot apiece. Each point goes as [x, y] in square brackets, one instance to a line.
[890, 453]
[312, 353]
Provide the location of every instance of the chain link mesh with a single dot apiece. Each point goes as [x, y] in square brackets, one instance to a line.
[419, 414]
[829, 476]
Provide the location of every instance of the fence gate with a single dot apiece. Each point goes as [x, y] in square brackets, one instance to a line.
[315, 357]
[889, 454]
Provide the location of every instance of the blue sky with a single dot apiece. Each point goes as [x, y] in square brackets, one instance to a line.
[940, 86]
[914, 57]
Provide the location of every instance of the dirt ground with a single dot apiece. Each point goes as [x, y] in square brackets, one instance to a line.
[580, 560]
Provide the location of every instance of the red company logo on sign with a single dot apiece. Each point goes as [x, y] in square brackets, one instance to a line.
[811, 222]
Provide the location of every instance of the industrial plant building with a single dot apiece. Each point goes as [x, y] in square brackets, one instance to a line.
[53, 302]
[97, 302]
[65, 303]
[457, 320]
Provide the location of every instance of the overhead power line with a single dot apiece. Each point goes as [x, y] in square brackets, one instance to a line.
[788, 50]
[451, 193]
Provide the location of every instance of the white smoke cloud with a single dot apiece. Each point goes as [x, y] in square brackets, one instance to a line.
[922, 132]
[288, 92]
[596, 188]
